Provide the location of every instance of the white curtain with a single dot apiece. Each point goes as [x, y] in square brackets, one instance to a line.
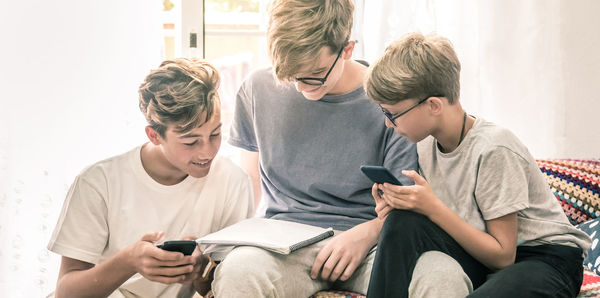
[531, 66]
[68, 91]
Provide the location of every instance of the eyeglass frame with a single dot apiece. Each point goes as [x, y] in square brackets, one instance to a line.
[321, 80]
[393, 118]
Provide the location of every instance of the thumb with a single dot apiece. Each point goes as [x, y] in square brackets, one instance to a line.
[414, 176]
[152, 237]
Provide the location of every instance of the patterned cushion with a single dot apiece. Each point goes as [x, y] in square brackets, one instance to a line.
[592, 228]
[590, 286]
[575, 184]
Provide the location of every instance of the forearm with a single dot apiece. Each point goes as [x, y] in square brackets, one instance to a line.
[482, 246]
[98, 281]
[373, 229]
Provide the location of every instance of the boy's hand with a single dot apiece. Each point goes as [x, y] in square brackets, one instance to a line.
[342, 255]
[381, 207]
[159, 265]
[419, 197]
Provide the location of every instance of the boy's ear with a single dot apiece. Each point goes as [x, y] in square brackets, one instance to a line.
[348, 50]
[435, 105]
[153, 136]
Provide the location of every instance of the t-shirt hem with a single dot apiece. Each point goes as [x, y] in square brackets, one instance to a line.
[241, 144]
[499, 212]
[73, 253]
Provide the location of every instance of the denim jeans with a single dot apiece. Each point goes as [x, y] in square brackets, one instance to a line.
[539, 271]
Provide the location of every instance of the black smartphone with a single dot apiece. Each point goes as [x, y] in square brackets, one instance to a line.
[379, 174]
[183, 246]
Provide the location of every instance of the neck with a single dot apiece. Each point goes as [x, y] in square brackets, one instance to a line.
[351, 78]
[158, 167]
[449, 135]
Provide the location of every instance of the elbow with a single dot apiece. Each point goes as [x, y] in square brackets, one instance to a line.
[502, 261]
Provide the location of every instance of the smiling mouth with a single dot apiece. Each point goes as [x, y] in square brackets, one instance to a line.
[202, 164]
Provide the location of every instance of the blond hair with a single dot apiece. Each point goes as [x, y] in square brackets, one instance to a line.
[299, 29]
[415, 66]
[181, 92]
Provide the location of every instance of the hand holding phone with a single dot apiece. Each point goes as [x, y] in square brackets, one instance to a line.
[183, 246]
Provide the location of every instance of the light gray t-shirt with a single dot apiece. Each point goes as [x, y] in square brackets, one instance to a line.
[310, 152]
[492, 174]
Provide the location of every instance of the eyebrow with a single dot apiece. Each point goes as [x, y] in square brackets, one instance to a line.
[197, 135]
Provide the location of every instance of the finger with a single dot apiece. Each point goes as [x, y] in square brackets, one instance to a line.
[170, 258]
[166, 279]
[184, 261]
[170, 271]
[349, 270]
[320, 260]
[330, 264]
[385, 211]
[375, 192]
[414, 176]
[152, 237]
[396, 189]
[339, 268]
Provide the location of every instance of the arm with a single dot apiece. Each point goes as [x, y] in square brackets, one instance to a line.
[250, 163]
[81, 279]
[344, 253]
[495, 249]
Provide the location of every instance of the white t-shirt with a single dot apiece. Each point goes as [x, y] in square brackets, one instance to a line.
[114, 202]
[492, 174]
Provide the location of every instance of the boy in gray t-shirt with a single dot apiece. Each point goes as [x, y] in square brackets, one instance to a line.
[480, 197]
[307, 127]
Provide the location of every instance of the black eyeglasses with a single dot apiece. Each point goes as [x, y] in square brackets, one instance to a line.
[319, 81]
[392, 118]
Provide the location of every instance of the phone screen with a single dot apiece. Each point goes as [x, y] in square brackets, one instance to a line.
[379, 174]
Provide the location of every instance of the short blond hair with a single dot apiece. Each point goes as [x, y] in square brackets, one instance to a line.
[182, 92]
[415, 66]
[299, 29]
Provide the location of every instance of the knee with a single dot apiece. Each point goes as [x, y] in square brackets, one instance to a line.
[401, 224]
[243, 273]
[438, 271]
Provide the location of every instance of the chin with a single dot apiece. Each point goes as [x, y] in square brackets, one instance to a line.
[311, 96]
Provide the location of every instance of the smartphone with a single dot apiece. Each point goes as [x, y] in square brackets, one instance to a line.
[183, 246]
[379, 174]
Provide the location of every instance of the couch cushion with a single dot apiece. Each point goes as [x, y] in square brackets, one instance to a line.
[574, 183]
[590, 286]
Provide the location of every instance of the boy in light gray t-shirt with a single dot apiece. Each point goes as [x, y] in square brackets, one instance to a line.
[480, 196]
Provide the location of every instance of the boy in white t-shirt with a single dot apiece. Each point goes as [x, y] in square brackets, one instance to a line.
[173, 187]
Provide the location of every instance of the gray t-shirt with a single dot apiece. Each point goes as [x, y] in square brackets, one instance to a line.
[310, 152]
[492, 174]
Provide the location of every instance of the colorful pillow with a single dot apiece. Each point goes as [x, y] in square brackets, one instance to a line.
[575, 184]
[592, 228]
[590, 286]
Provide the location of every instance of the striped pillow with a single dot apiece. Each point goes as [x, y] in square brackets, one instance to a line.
[575, 184]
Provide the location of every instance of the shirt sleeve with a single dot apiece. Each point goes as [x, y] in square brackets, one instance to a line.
[242, 132]
[502, 185]
[400, 154]
[82, 229]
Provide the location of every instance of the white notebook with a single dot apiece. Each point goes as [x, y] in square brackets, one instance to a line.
[278, 236]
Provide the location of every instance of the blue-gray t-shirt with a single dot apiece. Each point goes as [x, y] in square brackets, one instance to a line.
[310, 152]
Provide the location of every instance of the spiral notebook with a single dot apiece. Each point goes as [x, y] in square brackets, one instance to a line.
[279, 236]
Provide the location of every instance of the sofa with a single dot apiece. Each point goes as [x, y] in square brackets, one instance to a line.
[576, 185]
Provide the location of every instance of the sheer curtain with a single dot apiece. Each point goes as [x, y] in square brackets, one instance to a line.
[531, 66]
[69, 81]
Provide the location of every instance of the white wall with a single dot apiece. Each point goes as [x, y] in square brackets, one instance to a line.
[68, 91]
[532, 66]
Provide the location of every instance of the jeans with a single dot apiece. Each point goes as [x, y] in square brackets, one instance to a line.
[539, 271]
